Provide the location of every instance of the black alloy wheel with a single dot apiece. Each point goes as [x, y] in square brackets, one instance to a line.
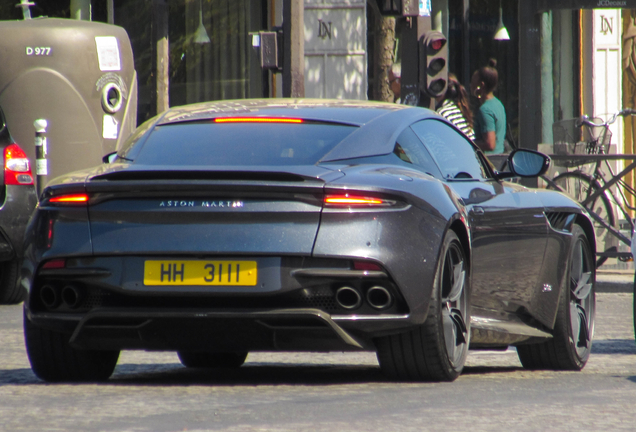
[436, 350]
[571, 344]
[54, 360]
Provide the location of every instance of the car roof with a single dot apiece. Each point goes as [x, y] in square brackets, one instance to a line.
[379, 122]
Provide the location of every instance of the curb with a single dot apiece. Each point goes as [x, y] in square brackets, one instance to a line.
[615, 281]
[605, 286]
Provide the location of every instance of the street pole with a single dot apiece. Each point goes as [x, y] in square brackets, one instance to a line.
[294, 49]
[41, 164]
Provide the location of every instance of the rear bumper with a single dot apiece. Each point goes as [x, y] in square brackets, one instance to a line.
[205, 330]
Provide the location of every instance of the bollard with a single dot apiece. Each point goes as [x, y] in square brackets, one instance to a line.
[41, 164]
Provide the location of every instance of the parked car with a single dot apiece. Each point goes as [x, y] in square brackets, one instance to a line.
[17, 200]
[313, 225]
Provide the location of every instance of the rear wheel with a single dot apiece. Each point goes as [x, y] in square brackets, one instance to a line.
[10, 291]
[579, 186]
[436, 350]
[54, 360]
[571, 343]
[199, 359]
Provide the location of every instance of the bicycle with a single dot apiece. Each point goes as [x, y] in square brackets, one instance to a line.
[592, 136]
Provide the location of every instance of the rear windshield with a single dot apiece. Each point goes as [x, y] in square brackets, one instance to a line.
[239, 144]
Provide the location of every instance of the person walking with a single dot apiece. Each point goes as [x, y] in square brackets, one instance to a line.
[454, 106]
[490, 119]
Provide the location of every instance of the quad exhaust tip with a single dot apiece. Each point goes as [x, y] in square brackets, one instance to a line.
[379, 297]
[49, 297]
[348, 298]
[52, 297]
[71, 296]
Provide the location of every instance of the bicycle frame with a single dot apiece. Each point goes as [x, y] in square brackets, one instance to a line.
[591, 197]
[596, 139]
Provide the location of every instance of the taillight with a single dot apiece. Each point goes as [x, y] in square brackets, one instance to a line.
[347, 200]
[77, 198]
[366, 265]
[17, 169]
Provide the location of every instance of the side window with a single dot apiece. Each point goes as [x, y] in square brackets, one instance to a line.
[126, 151]
[409, 148]
[454, 154]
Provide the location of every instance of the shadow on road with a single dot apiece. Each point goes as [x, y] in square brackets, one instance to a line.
[248, 375]
[271, 373]
[482, 370]
[614, 346]
[173, 374]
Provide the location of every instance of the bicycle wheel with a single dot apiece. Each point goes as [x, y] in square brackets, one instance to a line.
[579, 186]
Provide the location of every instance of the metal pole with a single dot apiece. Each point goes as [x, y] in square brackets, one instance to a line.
[294, 49]
[162, 77]
[466, 72]
[41, 164]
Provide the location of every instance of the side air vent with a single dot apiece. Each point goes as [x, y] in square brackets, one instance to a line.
[200, 175]
[560, 221]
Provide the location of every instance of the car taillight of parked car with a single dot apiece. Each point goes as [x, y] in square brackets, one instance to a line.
[17, 169]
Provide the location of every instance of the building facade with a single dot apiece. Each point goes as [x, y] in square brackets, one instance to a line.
[563, 58]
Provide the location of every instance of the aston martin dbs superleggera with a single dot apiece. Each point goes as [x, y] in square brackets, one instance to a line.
[306, 225]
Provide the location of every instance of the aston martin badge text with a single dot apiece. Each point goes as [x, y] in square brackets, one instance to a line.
[216, 204]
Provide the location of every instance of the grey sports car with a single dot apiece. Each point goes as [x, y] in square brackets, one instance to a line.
[305, 225]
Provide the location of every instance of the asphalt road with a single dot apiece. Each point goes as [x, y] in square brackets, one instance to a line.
[329, 392]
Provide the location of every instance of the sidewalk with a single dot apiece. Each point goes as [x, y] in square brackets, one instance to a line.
[615, 281]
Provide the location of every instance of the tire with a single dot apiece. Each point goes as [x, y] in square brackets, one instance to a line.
[192, 359]
[437, 349]
[10, 291]
[579, 186]
[54, 360]
[571, 343]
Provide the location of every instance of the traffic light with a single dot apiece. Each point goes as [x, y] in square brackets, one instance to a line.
[433, 63]
[269, 45]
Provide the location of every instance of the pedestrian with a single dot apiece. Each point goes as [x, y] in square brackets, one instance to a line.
[490, 118]
[395, 82]
[454, 106]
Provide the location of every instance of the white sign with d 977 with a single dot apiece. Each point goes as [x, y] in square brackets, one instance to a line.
[38, 51]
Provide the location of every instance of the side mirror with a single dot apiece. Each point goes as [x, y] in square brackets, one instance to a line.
[526, 163]
[109, 158]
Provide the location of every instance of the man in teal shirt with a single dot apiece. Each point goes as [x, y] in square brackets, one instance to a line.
[490, 119]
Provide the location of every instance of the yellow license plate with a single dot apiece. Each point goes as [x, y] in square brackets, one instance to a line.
[162, 272]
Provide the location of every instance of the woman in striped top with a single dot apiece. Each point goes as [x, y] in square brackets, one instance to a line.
[455, 107]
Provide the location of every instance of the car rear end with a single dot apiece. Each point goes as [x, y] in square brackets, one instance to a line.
[152, 255]
[17, 200]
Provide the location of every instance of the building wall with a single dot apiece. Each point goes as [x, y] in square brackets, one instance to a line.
[335, 49]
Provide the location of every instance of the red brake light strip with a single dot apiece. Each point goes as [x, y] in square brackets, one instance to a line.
[257, 120]
[70, 198]
[354, 200]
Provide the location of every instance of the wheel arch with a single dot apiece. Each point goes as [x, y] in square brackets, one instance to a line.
[586, 224]
[462, 233]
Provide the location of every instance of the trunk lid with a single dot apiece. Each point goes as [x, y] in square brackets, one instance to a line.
[173, 212]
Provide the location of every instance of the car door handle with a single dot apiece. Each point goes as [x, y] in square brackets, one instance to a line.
[478, 210]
